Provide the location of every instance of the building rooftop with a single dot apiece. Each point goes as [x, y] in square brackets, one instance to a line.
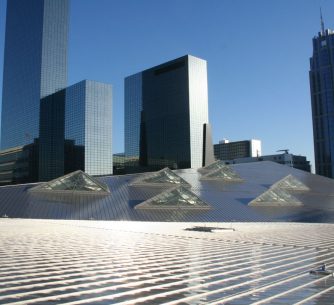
[117, 262]
[226, 199]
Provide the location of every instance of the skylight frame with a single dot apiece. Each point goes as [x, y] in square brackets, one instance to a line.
[47, 187]
[147, 204]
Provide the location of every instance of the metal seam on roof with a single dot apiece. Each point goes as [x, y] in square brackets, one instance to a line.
[185, 266]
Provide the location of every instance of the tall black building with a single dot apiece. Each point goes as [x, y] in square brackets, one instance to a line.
[322, 97]
[166, 115]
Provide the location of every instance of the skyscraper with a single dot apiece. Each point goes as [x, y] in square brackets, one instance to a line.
[166, 115]
[322, 97]
[69, 128]
[35, 65]
[76, 131]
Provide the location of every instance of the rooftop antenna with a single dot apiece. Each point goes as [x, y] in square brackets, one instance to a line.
[322, 22]
[285, 150]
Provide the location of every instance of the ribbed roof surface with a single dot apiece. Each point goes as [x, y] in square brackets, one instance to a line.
[228, 201]
[90, 262]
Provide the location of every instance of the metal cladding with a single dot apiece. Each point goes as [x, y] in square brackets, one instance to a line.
[229, 202]
[121, 262]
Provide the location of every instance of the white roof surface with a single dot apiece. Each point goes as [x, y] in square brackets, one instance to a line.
[105, 262]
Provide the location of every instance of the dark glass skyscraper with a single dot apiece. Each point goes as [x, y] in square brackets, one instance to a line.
[322, 97]
[35, 65]
[166, 115]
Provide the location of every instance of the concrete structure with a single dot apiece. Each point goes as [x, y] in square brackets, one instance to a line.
[35, 65]
[227, 150]
[322, 97]
[19, 164]
[166, 115]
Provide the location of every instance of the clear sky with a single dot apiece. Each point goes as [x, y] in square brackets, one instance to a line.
[257, 51]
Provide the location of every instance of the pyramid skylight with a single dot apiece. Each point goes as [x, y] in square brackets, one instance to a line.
[275, 196]
[162, 177]
[291, 183]
[77, 181]
[212, 167]
[175, 198]
[224, 173]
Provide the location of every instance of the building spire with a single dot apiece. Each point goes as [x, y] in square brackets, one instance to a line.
[322, 22]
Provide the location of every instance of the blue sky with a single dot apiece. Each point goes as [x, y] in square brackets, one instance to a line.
[257, 51]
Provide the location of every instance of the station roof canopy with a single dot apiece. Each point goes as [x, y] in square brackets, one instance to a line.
[300, 196]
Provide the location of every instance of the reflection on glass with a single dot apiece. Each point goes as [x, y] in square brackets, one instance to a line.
[76, 181]
[275, 197]
[212, 167]
[292, 183]
[178, 197]
[223, 173]
[164, 176]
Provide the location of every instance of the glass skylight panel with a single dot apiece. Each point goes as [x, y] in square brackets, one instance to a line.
[292, 183]
[178, 197]
[164, 176]
[212, 167]
[77, 181]
[275, 197]
[224, 173]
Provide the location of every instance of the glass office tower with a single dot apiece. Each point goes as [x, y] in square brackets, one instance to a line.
[166, 111]
[322, 97]
[35, 65]
[76, 131]
[88, 123]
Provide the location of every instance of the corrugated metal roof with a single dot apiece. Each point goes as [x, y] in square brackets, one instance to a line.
[90, 262]
[228, 201]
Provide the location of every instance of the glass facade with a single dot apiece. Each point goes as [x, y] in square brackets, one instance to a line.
[162, 177]
[132, 109]
[322, 97]
[176, 198]
[88, 126]
[225, 173]
[275, 197]
[76, 131]
[35, 65]
[51, 130]
[198, 107]
[165, 110]
[291, 183]
[212, 167]
[77, 181]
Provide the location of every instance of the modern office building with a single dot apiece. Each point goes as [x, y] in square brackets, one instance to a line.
[76, 131]
[35, 65]
[322, 97]
[88, 123]
[47, 129]
[166, 116]
[19, 164]
[227, 150]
